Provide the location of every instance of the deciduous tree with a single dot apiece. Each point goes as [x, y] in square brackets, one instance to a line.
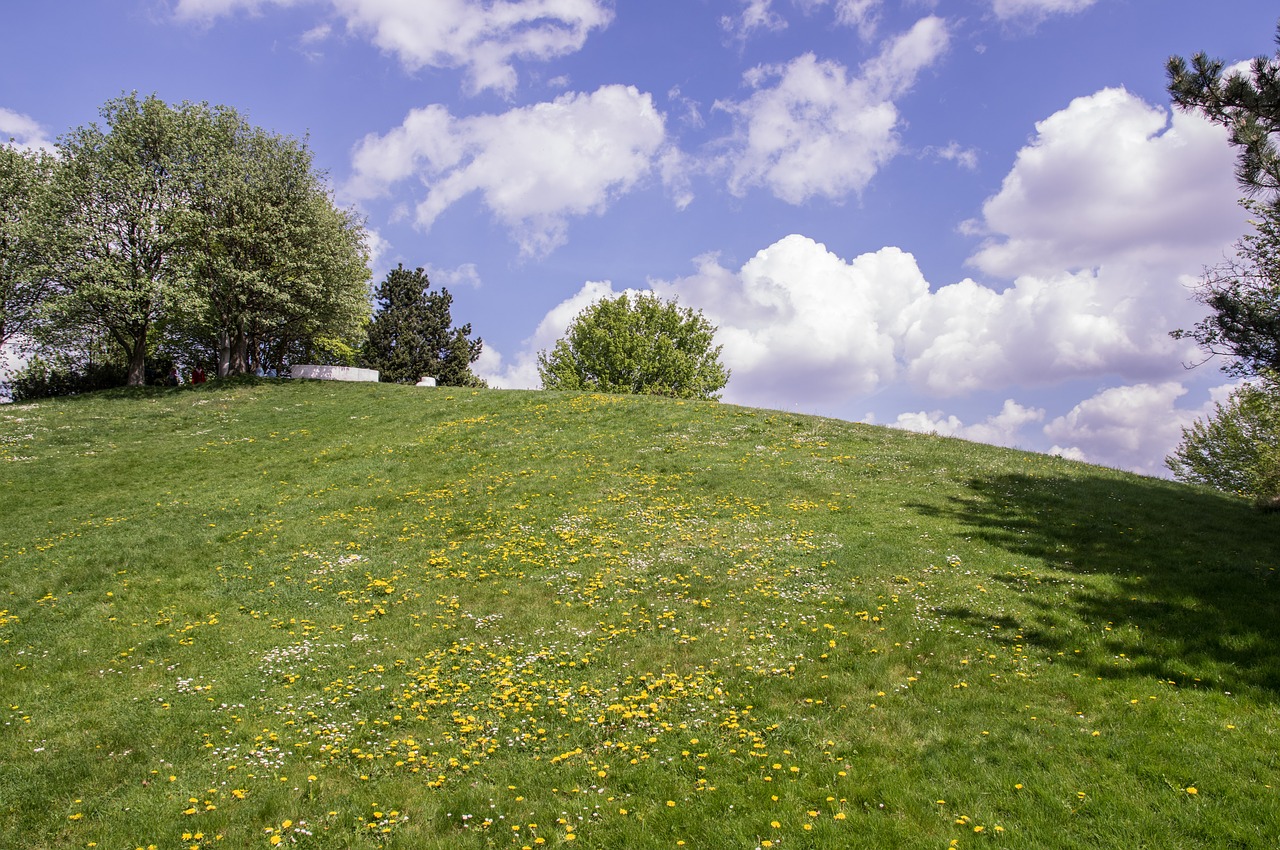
[188, 228]
[24, 176]
[110, 224]
[271, 265]
[643, 345]
[1237, 448]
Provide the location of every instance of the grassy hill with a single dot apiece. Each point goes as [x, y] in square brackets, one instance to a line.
[320, 615]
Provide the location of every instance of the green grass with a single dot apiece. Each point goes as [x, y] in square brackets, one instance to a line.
[371, 616]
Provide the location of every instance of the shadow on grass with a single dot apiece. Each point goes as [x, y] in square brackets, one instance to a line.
[1187, 580]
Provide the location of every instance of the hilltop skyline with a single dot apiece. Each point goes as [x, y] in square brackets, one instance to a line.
[979, 218]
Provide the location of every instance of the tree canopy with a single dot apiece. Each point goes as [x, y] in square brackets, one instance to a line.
[1243, 292]
[410, 336]
[189, 231]
[641, 345]
[23, 175]
[269, 264]
[1236, 448]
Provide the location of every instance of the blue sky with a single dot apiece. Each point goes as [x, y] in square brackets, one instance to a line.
[975, 217]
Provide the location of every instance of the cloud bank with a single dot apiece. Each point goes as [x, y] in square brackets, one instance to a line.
[802, 326]
[535, 167]
[810, 130]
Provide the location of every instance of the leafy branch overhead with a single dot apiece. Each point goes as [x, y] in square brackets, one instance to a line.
[1234, 449]
[1246, 103]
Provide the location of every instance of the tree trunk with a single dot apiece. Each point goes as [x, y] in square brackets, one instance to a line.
[240, 353]
[224, 353]
[138, 361]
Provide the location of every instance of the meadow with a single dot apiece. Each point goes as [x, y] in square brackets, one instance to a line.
[306, 614]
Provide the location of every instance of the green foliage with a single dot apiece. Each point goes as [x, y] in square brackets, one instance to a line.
[23, 176]
[1237, 448]
[109, 225]
[644, 346]
[270, 265]
[187, 231]
[41, 378]
[1247, 104]
[1243, 294]
[410, 336]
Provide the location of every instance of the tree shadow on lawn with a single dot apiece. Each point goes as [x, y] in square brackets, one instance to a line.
[1188, 580]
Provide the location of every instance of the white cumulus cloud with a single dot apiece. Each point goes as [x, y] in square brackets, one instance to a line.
[809, 130]
[25, 132]
[804, 327]
[1044, 330]
[1112, 178]
[534, 167]
[756, 15]
[760, 15]
[483, 37]
[1132, 427]
[800, 324]
[1003, 429]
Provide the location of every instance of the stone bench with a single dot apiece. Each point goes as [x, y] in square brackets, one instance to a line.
[332, 373]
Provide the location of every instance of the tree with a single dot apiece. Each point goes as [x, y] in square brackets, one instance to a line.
[643, 345]
[180, 229]
[273, 269]
[1237, 449]
[1248, 105]
[1243, 293]
[109, 225]
[23, 178]
[410, 337]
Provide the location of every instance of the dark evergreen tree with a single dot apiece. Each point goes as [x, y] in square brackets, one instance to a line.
[410, 336]
[1244, 292]
[1235, 449]
[1247, 104]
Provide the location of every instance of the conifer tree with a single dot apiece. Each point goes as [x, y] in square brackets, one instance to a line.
[1243, 292]
[410, 336]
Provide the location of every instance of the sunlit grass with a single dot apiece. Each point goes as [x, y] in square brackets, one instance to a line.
[319, 615]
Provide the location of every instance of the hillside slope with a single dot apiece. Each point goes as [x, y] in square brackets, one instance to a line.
[325, 615]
